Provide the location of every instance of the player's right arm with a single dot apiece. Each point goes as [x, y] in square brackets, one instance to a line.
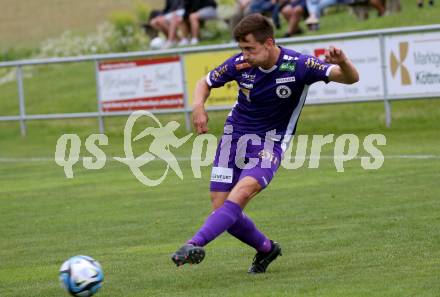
[216, 78]
[199, 114]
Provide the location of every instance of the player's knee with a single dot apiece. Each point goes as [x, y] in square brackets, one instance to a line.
[247, 190]
[217, 199]
[241, 195]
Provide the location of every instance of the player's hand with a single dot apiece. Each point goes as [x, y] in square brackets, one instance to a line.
[334, 55]
[200, 119]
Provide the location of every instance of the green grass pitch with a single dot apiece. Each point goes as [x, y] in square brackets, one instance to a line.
[357, 233]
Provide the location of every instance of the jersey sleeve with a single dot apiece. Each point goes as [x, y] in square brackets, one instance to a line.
[315, 70]
[221, 74]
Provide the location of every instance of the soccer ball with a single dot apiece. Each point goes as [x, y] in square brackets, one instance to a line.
[156, 43]
[81, 276]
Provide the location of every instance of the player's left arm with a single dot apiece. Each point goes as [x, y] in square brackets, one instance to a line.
[343, 70]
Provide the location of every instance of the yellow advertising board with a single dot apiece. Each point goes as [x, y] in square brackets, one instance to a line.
[198, 65]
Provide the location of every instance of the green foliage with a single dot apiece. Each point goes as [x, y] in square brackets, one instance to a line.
[11, 54]
[123, 21]
[358, 233]
[128, 35]
[226, 2]
[142, 12]
[122, 34]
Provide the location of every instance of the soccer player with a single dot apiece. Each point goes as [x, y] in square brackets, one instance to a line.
[273, 84]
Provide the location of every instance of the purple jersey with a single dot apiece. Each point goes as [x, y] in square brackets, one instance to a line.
[269, 99]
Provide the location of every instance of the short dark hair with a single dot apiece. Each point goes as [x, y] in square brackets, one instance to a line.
[257, 25]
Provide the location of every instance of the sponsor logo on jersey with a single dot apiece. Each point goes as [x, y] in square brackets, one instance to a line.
[221, 175]
[215, 75]
[242, 66]
[291, 66]
[246, 85]
[314, 64]
[249, 77]
[283, 91]
[283, 80]
[247, 93]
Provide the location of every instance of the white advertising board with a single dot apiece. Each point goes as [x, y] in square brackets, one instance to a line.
[365, 54]
[141, 84]
[413, 64]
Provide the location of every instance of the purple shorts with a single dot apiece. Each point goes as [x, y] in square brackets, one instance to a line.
[237, 157]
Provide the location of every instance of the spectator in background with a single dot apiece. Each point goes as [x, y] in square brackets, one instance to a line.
[420, 3]
[293, 11]
[195, 12]
[168, 21]
[242, 9]
[316, 7]
[379, 5]
[271, 7]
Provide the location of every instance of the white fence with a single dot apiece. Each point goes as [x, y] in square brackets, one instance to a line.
[399, 63]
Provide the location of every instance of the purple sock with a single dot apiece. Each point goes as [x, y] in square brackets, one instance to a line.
[217, 222]
[246, 231]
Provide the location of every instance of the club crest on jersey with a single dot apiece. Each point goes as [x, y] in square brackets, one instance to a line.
[267, 155]
[283, 91]
[291, 66]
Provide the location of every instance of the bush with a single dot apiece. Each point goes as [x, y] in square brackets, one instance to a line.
[11, 54]
[142, 12]
[127, 35]
[122, 33]
[69, 44]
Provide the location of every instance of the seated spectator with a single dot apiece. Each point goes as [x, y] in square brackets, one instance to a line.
[316, 7]
[379, 5]
[149, 30]
[293, 11]
[420, 3]
[271, 7]
[168, 21]
[195, 12]
[242, 9]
